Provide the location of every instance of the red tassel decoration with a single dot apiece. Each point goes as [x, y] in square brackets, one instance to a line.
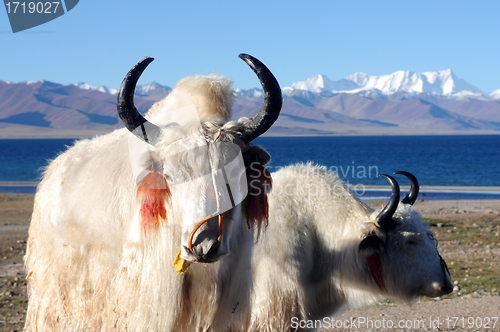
[153, 192]
[259, 184]
[375, 267]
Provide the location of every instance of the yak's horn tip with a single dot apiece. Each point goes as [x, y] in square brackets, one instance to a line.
[248, 59]
[414, 189]
[147, 59]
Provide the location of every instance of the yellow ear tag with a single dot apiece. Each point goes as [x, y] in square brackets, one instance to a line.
[180, 264]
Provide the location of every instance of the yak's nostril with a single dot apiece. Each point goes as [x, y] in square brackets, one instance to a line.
[440, 289]
[436, 286]
[207, 254]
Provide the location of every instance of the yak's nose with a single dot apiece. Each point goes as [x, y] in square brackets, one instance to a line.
[206, 247]
[444, 287]
[448, 286]
[206, 251]
[439, 289]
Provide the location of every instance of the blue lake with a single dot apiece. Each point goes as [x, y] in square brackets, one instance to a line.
[434, 160]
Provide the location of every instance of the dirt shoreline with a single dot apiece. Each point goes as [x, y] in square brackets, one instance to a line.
[16, 209]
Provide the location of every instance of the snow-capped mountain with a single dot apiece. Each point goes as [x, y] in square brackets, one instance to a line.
[250, 93]
[443, 83]
[104, 89]
[152, 88]
[494, 95]
[320, 83]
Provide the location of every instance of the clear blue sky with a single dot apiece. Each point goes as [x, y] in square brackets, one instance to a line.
[99, 41]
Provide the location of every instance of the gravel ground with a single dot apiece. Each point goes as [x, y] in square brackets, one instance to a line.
[461, 314]
[472, 312]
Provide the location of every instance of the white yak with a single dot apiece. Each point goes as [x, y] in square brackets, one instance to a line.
[325, 250]
[103, 239]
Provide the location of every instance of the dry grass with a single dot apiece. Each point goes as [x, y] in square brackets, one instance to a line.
[471, 247]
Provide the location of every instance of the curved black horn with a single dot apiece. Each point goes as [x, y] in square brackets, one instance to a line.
[127, 112]
[413, 193]
[384, 218]
[270, 109]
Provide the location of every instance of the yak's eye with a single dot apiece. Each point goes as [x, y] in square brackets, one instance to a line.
[411, 242]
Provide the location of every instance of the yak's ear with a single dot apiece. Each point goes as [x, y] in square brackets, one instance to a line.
[255, 154]
[372, 244]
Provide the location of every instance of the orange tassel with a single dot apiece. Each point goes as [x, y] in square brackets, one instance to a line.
[153, 192]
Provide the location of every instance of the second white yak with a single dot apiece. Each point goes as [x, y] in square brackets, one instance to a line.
[325, 250]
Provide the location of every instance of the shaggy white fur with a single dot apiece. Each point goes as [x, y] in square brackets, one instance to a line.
[212, 95]
[88, 270]
[308, 264]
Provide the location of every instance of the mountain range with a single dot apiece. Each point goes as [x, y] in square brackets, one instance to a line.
[401, 103]
[443, 83]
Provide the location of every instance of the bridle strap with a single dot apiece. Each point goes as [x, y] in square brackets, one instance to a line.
[219, 238]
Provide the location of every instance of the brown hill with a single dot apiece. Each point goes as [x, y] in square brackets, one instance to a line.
[50, 105]
[46, 109]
